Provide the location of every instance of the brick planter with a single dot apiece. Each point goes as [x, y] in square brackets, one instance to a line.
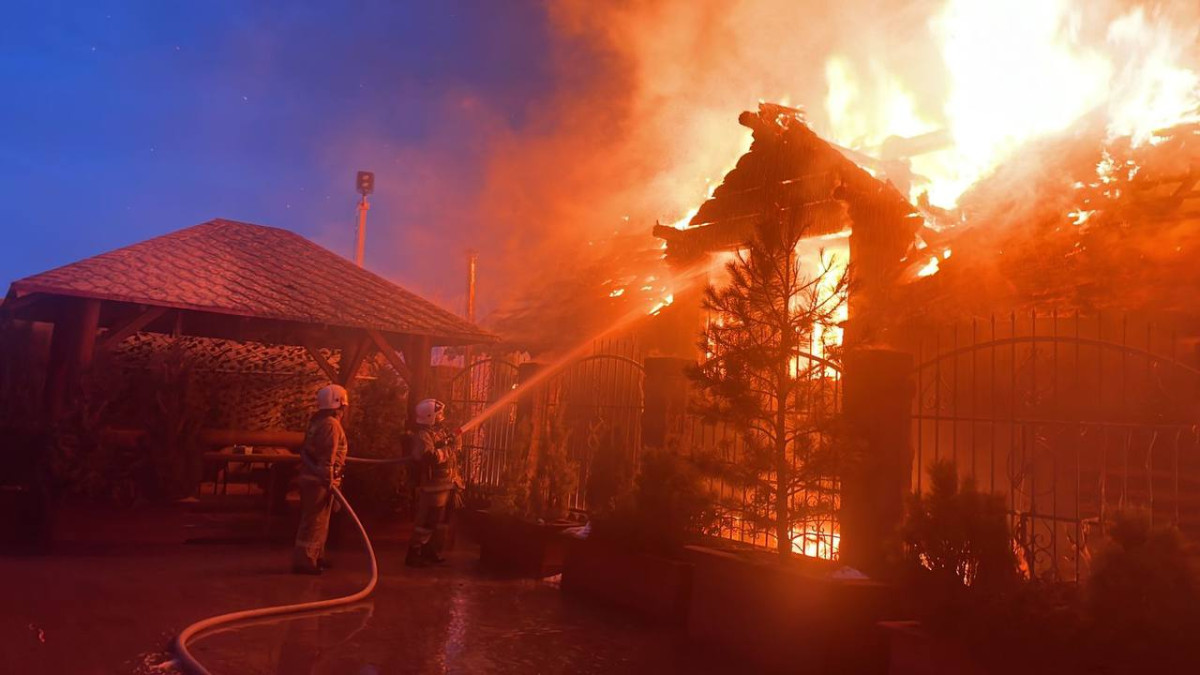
[513, 547]
[792, 618]
[655, 587]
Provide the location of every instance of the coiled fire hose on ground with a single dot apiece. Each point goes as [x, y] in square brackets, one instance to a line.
[188, 663]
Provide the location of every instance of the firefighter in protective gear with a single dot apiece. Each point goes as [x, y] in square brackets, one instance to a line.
[432, 449]
[322, 461]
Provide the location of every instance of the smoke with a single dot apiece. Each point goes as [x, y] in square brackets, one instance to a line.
[638, 123]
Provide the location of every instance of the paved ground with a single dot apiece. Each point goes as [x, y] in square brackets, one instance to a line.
[104, 607]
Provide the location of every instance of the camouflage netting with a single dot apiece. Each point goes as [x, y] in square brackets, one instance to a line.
[245, 385]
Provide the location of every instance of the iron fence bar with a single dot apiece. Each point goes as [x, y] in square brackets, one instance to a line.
[1078, 457]
[954, 403]
[1054, 422]
[992, 403]
[1012, 413]
[1033, 339]
[974, 406]
[937, 397]
[920, 422]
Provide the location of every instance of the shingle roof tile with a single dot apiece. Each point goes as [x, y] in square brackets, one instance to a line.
[229, 267]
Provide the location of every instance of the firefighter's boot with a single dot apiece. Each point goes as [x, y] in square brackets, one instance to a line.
[415, 557]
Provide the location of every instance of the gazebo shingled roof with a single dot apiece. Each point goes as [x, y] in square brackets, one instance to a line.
[230, 280]
[245, 270]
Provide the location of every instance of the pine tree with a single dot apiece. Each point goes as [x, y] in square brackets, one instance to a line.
[758, 376]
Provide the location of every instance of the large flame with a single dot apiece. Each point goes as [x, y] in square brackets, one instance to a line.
[1016, 71]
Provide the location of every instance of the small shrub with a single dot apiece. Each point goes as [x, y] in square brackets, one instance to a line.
[958, 534]
[1143, 596]
[670, 502]
[539, 476]
[611, 472]
[376, 429]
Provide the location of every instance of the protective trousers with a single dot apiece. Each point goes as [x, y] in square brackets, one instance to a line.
[316, 504]
[429, 524]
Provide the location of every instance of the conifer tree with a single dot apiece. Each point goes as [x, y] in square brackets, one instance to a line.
[760, 376]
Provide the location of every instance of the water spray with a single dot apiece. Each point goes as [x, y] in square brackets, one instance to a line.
[680, 282]
[189, 664]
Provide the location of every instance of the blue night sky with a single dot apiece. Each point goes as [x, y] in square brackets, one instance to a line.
[126, 120]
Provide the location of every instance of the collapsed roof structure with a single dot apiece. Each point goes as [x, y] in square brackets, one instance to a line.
[1076, 223]
[792, 174]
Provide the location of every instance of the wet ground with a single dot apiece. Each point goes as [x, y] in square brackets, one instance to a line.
[104, 607]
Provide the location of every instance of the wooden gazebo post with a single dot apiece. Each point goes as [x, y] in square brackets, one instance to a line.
[72, 345]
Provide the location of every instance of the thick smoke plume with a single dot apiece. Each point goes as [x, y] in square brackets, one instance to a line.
[641, 119]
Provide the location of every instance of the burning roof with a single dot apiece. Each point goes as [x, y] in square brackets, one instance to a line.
[1097, 225]
[791, 169]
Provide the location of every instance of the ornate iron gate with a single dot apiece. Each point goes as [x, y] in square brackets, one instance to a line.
[1070, 418]
[485, 448]
[600, 398]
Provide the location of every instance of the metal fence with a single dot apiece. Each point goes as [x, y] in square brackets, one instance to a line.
[600, 399]
[1070, 418]
[597, 398]
[485, 448]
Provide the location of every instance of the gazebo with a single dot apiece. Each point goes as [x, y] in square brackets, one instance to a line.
[236, 281]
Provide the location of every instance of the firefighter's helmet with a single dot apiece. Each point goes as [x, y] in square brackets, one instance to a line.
[332, 397]
[430, 412]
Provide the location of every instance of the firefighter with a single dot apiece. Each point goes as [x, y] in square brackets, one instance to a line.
[322, 460]
[431, 455]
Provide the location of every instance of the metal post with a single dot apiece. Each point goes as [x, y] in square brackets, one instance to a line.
[361, 236]
[472, 263]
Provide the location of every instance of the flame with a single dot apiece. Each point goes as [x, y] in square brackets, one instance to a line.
[661, 304]
[1016, 71]
[819, 539]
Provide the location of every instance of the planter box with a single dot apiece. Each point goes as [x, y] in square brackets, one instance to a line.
[787, 618]
[655, 587]
[913, 651]
[514, 547]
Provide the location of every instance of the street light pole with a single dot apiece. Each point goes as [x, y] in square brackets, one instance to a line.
[361, 236]
[364, 182]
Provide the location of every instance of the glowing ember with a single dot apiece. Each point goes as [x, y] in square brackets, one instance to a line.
[665, 302]
[930, 268]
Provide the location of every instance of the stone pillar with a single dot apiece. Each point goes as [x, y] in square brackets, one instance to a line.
[665, 396]
[877, 402]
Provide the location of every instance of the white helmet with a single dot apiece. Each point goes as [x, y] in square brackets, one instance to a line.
[430, 412]
[332, 397]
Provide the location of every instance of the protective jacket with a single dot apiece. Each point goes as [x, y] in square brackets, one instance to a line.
[432, 449]
[323, 455]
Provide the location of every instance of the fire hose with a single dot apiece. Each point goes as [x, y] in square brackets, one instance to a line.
[188, 663]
